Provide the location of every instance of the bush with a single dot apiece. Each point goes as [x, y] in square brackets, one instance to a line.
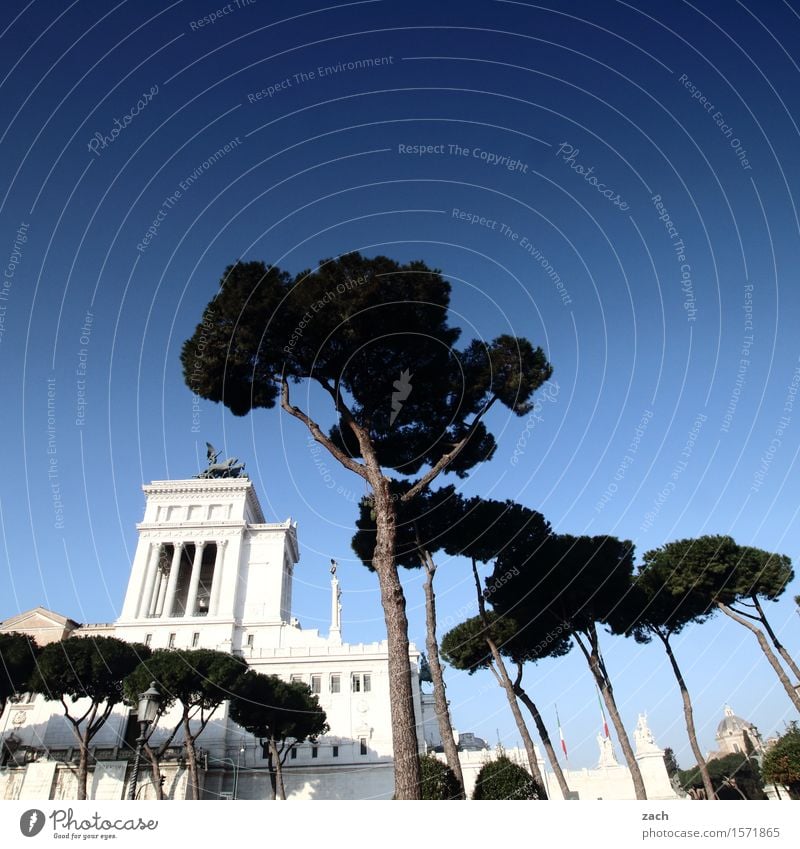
[503, 779]
[438, 780]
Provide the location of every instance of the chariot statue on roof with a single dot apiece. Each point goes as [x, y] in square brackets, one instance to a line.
[228, 468]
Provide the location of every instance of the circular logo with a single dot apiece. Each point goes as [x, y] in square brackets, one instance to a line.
[31, 822]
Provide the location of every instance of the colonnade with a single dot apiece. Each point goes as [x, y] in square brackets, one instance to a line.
[160, 585]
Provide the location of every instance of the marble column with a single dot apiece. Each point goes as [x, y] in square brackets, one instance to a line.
[148, 583]
[172, 583]
[194, 581]
[216, 582]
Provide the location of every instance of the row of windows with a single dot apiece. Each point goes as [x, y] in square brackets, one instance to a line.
[148, 640]
[360, 682]
[362, 744]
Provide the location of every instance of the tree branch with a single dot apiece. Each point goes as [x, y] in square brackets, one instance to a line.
[317, 433]
[448, 458]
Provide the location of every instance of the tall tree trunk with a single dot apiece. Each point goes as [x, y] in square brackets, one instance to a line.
[762, 641]
[597, 668]
[502, 676]
[439, 696]
[542, 729]
[270, 767]
[191, 759]
[776, 642]
[278, 769]
[407, 777]
[155, 771]
[689, 716]
[83, 769]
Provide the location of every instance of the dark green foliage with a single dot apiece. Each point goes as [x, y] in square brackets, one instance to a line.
[18, 654]
[714, 568]
[269, 708]
[503, 779]
[438, 780]
[733, 776]
[355, 325]
[199, 679]
[565, 584]
[87, 667]
[781, 763]
[670, 763]
[465, 647]
[423, 524]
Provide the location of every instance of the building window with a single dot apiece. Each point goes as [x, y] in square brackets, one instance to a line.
[316, 684]
[363, 741]
[314, 751]
[296, 679]
[171, 643]
[362, 682]
[148, 638]
[294, 754]
[195, 639]
[250, 640]
[336, 683]
[336, 751]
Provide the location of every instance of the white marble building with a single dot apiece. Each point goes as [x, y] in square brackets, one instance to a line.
[209, 572]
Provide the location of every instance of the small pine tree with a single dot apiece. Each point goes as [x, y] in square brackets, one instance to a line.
[438, 780]
[503, 779]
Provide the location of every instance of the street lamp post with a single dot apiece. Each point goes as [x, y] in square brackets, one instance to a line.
[149, 703]
[236, 773]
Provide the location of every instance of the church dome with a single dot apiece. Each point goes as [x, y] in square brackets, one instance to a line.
[732, 724]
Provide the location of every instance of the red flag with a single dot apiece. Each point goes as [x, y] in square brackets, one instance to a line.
[561, 735]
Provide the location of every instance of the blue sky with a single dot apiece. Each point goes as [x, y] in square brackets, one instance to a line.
[625, 201]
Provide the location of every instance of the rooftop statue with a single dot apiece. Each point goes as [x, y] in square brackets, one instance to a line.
[229, 468]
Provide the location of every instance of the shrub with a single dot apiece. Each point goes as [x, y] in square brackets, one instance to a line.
[438, 780]
[503, 779]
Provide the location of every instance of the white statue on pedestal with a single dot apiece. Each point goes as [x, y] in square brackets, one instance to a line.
[607, 756]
